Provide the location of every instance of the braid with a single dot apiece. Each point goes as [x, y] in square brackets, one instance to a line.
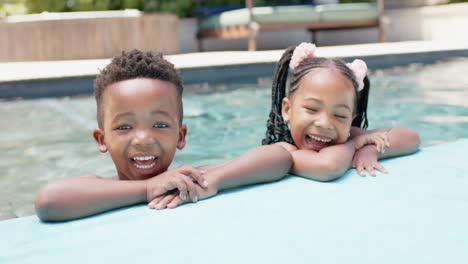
[361, 112]
[277, 129]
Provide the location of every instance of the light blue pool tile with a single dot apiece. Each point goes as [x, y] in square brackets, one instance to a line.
[418, 213]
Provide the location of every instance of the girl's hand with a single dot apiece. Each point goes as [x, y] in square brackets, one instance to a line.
[173, 199]
[186, 180]
[379, 139]
[366, 159]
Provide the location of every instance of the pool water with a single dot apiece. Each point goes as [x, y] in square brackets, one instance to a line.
[46, 139]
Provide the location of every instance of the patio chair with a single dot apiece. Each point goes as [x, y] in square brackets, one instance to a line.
[246, 22]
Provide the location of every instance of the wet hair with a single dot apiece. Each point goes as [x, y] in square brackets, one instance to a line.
[136, 64]
[277, 129]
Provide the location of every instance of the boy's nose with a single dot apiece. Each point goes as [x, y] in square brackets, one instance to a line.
[143, 138]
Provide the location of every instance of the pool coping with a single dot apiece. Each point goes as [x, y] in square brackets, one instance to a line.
[67, 78]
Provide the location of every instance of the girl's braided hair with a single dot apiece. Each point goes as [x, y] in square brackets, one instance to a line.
[277, 129]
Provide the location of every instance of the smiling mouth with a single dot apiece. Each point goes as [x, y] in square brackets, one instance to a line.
[316, 142]
[144, 162]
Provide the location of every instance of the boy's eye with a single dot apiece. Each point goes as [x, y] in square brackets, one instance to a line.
[123, 127]
[160, 125]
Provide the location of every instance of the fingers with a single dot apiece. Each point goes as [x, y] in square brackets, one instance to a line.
[382, 142]
[360, 170]
[188, 188]
[370, 168]
[162, 203]
[379, 167]
[191, 188]
[196, 174]
[175, 202]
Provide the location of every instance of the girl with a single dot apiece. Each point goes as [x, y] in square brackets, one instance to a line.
[314, 119]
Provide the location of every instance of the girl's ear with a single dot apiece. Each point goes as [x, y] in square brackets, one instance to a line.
[98, 135]
[182, 134]
[286, 109]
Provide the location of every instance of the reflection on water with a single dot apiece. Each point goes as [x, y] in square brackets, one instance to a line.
[42, 140]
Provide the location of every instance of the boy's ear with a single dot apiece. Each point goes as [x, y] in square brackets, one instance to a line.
[98, 135]
[285, 109]
[182, 134]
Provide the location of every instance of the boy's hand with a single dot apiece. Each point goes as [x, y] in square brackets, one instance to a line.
[379, 139]
[173, 199]
[366, 159]
[183, 179]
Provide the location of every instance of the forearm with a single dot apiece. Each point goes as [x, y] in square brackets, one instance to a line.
[260, 164]
[326, 165]
[73, 198]
[403, 141]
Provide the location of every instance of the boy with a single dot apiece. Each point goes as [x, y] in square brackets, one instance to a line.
[139, 113]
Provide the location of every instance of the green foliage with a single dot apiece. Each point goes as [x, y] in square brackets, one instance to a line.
[182, 8]
[355, 1]
[8, 8]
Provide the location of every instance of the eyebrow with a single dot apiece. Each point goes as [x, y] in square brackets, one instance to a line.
[320, 102]
[129, 114]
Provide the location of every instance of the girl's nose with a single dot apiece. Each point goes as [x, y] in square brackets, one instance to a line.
[324, 121]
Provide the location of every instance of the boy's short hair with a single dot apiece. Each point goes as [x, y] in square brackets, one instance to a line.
[136, 64]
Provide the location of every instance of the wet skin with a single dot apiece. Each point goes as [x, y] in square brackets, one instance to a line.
[141, 127]
[320, 110]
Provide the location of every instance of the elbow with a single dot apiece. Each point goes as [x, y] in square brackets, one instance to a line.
[284, 160]
[333, 172]
[327, 173]
[416, 139]
[413, 140]
[46, 203]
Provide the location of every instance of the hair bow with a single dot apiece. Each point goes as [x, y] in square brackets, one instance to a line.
[359, 69]
[303, 51]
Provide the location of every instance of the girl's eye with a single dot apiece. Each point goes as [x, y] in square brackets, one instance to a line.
[123, 127]
[160, 125]
[341, 116]
[311, 109]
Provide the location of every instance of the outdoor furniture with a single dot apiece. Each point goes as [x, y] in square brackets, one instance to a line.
[248, 21]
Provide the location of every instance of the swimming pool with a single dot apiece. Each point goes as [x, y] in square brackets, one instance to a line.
[46, 139]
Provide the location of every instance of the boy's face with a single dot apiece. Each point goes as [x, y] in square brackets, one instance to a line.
[140, 127]
[320, 111]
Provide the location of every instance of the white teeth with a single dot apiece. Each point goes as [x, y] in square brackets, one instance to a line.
[320, 139]
[145, 166]
[144, 158]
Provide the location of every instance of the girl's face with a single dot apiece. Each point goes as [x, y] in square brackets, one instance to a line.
[320, 111]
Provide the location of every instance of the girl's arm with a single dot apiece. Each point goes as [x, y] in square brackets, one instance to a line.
[326, 165]
[403, 141]
[260, 164]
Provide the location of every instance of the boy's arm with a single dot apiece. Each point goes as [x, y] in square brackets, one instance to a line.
[72, 198]
[77, 197]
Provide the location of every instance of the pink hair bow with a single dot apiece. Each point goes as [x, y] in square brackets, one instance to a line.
[303, 51]
[359, 68]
